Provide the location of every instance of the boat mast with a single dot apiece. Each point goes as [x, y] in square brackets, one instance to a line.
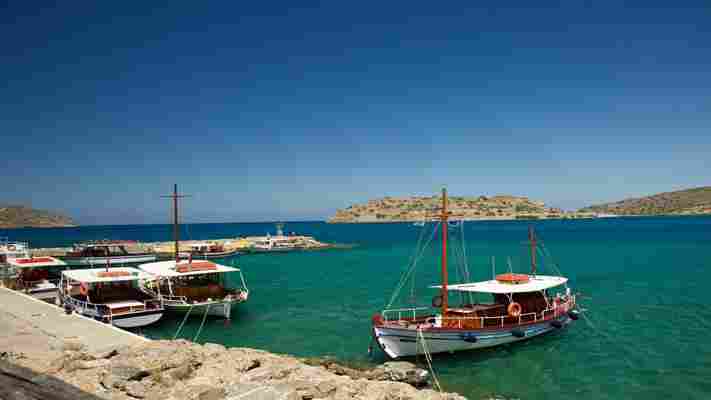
[532, 239]
[443, 219]
[176, 231]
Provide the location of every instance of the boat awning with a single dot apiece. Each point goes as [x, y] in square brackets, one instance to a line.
[99, 275]
[35, 262]
[167, 269]
[535, 283]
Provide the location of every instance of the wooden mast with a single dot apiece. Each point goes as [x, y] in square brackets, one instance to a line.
[532, 239]
[445, 227]
[176, 231]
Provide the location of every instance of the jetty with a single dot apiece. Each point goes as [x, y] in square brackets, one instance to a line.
[166, 249]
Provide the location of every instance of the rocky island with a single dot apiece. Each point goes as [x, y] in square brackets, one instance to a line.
[27, 217]
[392, 209]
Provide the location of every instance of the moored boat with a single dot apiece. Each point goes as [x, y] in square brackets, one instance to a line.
[197, 287]
[519, 307]
[104, 252]
[21, 271]
[111, 295]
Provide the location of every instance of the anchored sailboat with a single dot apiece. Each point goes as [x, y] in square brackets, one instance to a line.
[523, 306]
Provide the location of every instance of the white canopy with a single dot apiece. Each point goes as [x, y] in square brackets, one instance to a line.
[35, 262]
[535, 283]
[166, 269]
[94, 276]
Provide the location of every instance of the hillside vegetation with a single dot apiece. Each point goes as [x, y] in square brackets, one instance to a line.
[26, 217]
[682, 202]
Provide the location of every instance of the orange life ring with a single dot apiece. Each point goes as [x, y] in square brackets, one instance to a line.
[83, 289]
[514, 310]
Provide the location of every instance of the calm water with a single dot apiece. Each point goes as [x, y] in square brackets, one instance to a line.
[645, 282]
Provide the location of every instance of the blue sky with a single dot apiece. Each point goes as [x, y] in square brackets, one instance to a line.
[264, 111]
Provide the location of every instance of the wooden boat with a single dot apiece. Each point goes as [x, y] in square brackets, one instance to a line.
[195, 287]
[31, 275]
[111, 295]
[207, 250]
[520, 306]
[105, 252]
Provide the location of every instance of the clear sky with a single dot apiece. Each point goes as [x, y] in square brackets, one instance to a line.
[264, 111]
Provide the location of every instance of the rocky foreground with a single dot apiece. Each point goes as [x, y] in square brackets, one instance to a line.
[181, 370]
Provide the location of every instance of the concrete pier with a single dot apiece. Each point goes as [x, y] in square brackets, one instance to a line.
[31, 326]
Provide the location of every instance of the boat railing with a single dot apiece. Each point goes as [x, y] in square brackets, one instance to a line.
[387, 314]
[99, 309]
[552, 311]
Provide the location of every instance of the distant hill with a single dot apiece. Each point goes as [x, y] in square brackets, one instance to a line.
[682, 202]
[390, 209]
[26, 217]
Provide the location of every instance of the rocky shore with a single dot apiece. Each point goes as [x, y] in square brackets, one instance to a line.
[181, 370]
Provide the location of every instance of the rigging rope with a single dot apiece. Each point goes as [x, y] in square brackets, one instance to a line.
[411, 269]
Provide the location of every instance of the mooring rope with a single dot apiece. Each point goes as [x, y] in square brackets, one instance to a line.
[180, 328]
[204, 318]
[428, 358]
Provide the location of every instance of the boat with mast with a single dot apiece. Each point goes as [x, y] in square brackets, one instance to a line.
[519, 307]
[201, 286]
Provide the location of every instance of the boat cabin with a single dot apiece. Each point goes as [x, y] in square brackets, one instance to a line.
[195, 282]
[115, 288]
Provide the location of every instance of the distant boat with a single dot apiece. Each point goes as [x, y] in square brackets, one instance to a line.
[111, 295]
[521, 307]
[207, 250]
[105, 252]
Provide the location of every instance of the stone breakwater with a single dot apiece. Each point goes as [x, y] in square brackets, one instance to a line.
[181, 370]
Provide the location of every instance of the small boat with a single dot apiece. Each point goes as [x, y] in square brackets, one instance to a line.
[28, 274]
[105, 252]
[111, 295]
[189, 286]
[197, 287]
[520, 306]
[207, 250]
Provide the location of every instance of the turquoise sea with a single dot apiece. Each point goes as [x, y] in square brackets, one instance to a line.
[645, 283]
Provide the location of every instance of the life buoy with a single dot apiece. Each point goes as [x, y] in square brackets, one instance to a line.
[437, 301]
[83, 289]
[514, 310]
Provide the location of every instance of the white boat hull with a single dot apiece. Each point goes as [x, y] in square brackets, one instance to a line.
[404, 342]
[136, 320]
[221, 309]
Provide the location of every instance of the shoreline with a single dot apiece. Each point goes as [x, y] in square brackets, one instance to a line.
[40, 340]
